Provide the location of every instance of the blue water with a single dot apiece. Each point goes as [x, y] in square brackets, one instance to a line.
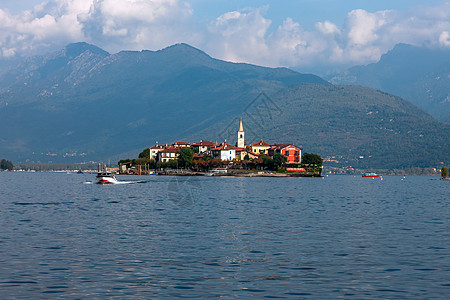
[232, 238]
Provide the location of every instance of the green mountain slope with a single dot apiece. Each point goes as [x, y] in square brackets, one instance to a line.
[419, 75]
[84, 103]
[361, 127]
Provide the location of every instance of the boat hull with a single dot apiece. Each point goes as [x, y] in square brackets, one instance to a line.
[106, 180]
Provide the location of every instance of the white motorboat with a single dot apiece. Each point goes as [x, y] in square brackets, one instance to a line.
[106, 177]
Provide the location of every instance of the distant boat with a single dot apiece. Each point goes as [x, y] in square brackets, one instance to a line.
[106, 177]
[219, 171]
[370, 175]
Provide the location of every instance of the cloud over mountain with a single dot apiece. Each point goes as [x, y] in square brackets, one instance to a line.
[246, 35]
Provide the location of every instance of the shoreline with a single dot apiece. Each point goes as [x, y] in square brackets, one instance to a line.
[232, 174]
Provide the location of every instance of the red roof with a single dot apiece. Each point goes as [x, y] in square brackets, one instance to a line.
[224, 146]
[170, 150]
[181, 143]
[282, 146]
[261, 143]
[204, 143]
[158, 147]
[252, 153]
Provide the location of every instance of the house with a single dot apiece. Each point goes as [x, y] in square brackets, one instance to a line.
[181, 145]
[124, 167]
[245, 152]
[155, 149]
[292, 153]
[224, 152]
[260, 147]
[203, 146]
[240, 152]
[168, 154]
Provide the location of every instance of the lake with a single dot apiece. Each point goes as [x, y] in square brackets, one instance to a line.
[158, 237]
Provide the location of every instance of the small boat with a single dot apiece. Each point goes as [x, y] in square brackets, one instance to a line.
[370, 175]
[219, 171]
[106, 177]
[80, 171]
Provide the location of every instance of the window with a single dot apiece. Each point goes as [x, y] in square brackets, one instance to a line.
[286, 152]
[296, 152]
[240, 136]
[296, 159]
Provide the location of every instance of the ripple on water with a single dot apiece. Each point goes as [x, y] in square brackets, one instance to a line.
[241, 238]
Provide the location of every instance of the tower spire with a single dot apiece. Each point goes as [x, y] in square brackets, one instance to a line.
[240, 136]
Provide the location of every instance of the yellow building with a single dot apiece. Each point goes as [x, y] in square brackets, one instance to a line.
[261, 147]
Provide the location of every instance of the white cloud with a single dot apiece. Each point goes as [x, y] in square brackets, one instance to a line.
[138, 24]
[112, 24]
[239, 36]
[363, 38]
[327, 27]
[444, 39]
[242, 36]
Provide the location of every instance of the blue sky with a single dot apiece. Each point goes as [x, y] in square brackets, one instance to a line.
[305, 34]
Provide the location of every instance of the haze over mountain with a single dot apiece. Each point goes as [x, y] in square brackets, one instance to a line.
[82, 103]
[420, 75]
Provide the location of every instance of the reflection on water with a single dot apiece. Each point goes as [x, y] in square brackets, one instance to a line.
[166, 237]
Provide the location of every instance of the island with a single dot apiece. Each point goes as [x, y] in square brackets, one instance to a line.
[206, 158]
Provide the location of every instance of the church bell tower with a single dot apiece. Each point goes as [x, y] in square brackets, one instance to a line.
[241, 136]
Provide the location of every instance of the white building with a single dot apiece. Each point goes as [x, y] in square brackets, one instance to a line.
[168, 154]
[224, 152]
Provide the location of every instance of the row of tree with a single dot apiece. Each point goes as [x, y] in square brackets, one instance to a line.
[444, 172]
[6, 165]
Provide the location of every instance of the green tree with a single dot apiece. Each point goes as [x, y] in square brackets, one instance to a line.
[279, 159]
[122, 161]
[172, 164]
[268, 162]
[312, 159]
[185, 157]
[444, 172]
[6, 165]
[145, 153]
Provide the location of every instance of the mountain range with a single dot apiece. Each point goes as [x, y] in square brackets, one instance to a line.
[82, 103]
[418, 74]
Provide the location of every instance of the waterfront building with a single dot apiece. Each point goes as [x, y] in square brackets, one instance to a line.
[181, 144]
[168, 153]
[260, 147]
[292, 153]
[155, 149]
[224, 152]
[204, 146]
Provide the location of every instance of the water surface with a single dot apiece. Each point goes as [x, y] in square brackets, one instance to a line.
[230, 238]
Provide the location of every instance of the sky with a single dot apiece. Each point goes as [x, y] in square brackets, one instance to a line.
[307, 35]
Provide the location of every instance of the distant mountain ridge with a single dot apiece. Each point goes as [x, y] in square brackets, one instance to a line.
[64, 103]
[418, 74]
[82, 103]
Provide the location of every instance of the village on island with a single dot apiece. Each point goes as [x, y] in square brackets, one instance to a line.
[209, 158]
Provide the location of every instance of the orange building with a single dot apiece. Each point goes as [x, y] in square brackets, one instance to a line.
[292, 153]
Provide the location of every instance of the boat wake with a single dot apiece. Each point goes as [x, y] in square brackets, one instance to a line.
[117, 182]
